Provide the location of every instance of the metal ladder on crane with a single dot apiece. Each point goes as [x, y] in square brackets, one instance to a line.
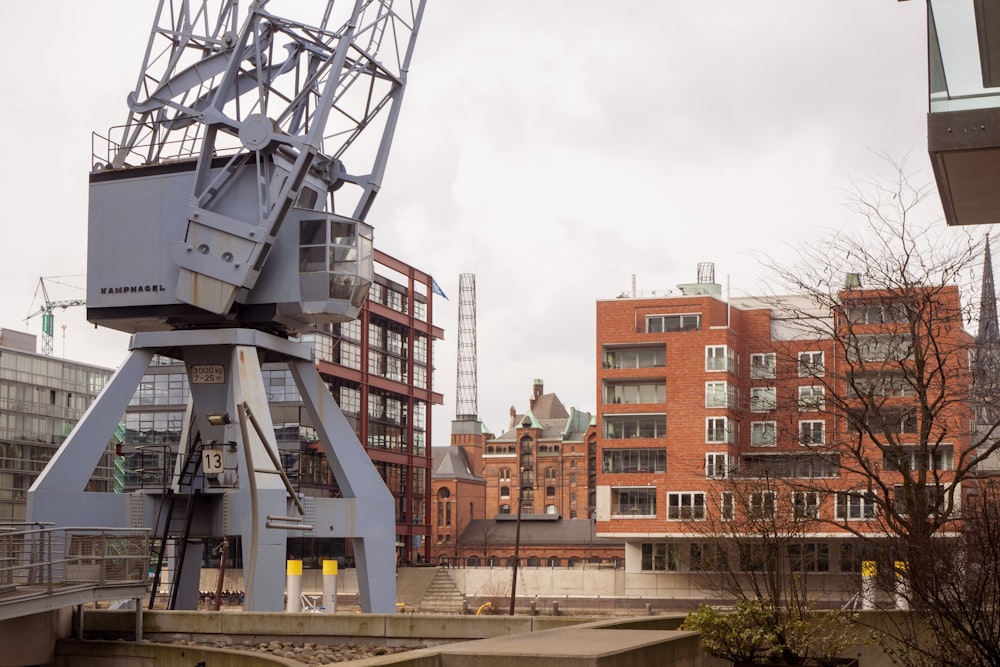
[158, 545]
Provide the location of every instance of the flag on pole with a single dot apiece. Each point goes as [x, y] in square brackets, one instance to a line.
[436, 289]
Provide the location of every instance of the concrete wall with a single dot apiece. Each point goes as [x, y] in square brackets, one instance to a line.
[31, 640]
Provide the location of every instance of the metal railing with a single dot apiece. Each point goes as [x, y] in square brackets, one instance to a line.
[45, 559]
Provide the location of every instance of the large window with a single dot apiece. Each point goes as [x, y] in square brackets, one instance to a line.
[719, 395]
[761, 505]
[716, 465]
[763, 399]
[682, 322]
[717, 430]
[660, 557]
[880, 347]
[654, 356]
[805, 466]
[875, 313]
[634, 460]
[685, 506]
[880, 385]
[809, 557]
[635, 392]
[763, 434]
[812, 432]
[812, 397]
[885, 420]
[762, 365]
[935, 457]
[810, 364]
[805, 505]
[854, 506]
[720, 358]
[618, 427]
[633, 502]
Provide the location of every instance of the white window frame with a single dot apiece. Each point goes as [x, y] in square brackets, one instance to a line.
[811, 424]
[759, 509]
[717, 465]
[808, 502]
[763, 366]
[763, 399]
[712, 428]
[727, 506]
[863, 507]
[812, 398]
[695, 506]
[717, 394]
[811, 363]
[763, 426]
[719, 359]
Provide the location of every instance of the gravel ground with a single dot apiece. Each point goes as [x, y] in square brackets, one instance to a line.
[308, 652]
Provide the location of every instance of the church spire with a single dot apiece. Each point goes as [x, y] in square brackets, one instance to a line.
[986, 372]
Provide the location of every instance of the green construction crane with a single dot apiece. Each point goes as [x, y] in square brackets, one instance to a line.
[48, 318]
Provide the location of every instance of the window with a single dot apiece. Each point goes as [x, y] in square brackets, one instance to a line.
[938, 457]
[880, 385]
[706, 557]
[805, 505]
[758, 556]
[635, 392]
[660, 557]
[761, 504]
[812, 432]
[810, 364]
[809, 557]
[763, 399]
[812, 397]
[684, 322]
[806, 466]
[504, 474]
[716, 465]
[685, 506]
[635, 357]
[618, 427]
[717, 430]
[717, 395]
[550, 473]
[876, 313]
[505, 492]
[633, 502]
[505, 509]
[763, 434]
[719, 358]
[634, 460]
[880, 347]
[854, 506]
[550, 492]
[933, 499]
[762, 366]
[884, 420]
[728, 507]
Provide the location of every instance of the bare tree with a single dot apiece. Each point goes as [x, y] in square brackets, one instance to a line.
[895, 392]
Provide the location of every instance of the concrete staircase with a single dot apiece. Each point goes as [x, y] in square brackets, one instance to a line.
[428, 589]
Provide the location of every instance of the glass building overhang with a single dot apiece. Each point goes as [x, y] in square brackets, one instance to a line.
[963, 123]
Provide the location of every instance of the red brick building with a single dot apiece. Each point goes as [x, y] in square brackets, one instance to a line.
[694, 391]
[544, 464]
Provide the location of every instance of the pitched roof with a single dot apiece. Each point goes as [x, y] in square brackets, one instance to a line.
[451, 463]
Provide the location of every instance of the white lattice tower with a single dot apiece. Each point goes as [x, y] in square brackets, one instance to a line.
[467, 403]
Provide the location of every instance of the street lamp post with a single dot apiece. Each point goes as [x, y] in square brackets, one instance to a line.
[517, 543]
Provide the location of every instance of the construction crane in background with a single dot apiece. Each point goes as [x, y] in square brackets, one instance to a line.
[46, 311]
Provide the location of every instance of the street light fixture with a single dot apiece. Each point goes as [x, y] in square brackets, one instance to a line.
[517, 541]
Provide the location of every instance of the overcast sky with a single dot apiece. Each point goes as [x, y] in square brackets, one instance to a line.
[554, 148]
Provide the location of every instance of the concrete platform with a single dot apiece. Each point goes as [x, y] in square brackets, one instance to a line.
[577, 647]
